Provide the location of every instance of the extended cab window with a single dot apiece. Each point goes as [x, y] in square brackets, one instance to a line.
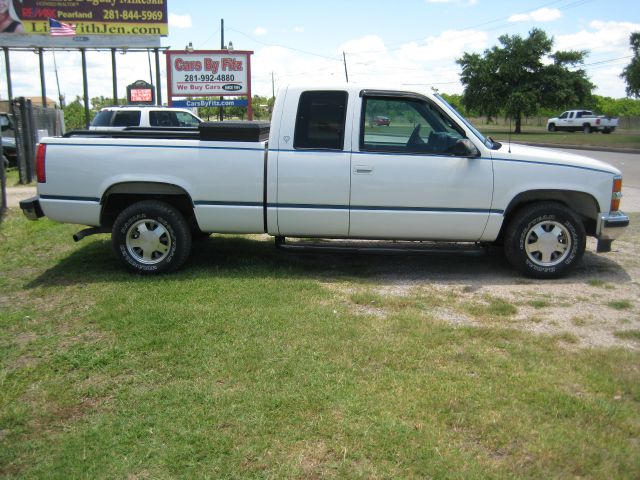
[320, 120]
[128, 118]
[406, 125]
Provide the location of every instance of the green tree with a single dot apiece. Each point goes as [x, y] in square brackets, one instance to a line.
[100, 102]
[631, 73]
[74, 115]
[521, 75]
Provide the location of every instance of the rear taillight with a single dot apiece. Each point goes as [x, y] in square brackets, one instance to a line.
[616, 194]
[40, 171]
[598, 121]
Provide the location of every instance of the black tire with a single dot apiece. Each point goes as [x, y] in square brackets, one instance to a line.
[606, 131]
[586, 128]
[561, 248]
[151, 237]
[552, 127]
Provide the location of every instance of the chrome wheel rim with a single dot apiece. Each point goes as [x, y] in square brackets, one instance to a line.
[547, 243]
[148, 241]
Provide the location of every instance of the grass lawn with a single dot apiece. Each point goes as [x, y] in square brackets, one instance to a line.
[253, 363]
[618, 139]
[13, 177]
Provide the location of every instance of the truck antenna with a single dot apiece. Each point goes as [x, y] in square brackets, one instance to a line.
[509, 134]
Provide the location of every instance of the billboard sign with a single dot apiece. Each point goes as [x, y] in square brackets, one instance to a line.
[93, 19]
[206, 73]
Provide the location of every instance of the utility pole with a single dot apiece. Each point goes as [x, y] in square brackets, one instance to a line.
[273, 87]
[344, 57]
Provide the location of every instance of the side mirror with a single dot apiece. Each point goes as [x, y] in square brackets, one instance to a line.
[466, 148]
[4, 123]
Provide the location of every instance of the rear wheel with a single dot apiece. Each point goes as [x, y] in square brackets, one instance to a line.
[586, 128]
[151, 237]
[544, 240]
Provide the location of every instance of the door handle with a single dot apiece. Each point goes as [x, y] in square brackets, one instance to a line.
[363, 169]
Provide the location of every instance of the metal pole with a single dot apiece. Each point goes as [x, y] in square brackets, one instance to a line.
[344, 57]
[150, 72]
[221, 111]
[250, 103]
[85, 87]
[55, 69]
[114, 76]
[43, 87]
[158, 80]
[7, 63]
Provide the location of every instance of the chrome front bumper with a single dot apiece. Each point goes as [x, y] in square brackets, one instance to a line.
[610, 226]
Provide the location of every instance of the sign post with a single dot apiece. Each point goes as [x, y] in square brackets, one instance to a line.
[207, 73]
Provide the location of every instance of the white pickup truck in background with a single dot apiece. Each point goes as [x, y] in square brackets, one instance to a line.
[581, 121]
[325, 168]
[121, 117]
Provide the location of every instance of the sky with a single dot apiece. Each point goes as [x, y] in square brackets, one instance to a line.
[406, 42]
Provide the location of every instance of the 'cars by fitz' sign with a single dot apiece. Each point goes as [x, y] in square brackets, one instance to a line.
[208, 73]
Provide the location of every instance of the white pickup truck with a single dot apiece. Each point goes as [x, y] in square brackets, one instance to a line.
[582, 121]
[324, 169]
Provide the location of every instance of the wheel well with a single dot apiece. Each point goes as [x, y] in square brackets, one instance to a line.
[120, 196]
[583, 204]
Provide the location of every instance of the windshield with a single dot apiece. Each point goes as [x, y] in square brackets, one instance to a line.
[488, 143]
[102, 119]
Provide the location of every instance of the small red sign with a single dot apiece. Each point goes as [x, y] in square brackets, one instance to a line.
[141, 95]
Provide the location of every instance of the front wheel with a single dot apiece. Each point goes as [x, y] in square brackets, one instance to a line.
[552, 127]
[151, 237]
[544, 240]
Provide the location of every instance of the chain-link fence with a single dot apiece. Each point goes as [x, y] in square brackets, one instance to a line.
[31, 124]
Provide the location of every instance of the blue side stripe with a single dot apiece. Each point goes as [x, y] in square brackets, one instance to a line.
[227, 204]
[310, 206]
[70, 199]
[304, 206]
[513, 160]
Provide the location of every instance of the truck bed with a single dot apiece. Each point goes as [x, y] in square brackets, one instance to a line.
[207, 131]
[219, 167]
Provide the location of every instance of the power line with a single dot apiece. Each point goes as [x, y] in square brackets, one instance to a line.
[284, 46]
[210, 37]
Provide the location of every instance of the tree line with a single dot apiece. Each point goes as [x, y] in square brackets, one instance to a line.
[523, 77]
[520, 77]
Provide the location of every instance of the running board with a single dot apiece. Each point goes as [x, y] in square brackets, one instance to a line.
[375, 247]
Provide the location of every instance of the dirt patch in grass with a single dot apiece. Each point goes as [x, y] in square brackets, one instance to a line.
[315, 459]
[585, 309]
